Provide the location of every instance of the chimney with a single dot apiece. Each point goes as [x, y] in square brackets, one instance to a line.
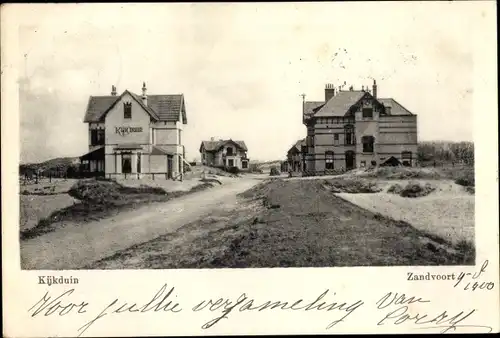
[144, 96]
[362, 88]
[113, 90]
[329, 91]
[374, 88]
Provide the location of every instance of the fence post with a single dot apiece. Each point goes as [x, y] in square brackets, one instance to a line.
[153, 176]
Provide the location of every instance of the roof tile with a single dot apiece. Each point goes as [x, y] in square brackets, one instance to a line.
[162, 107]
[339, 104]
[216, 145]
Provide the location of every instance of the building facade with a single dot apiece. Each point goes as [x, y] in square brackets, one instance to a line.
[224, 153]
[354, 129]
[134, 136]
[296, 157]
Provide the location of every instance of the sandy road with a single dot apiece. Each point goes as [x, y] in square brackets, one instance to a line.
[77, 245]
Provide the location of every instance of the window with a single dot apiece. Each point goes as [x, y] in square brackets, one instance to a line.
[126, 163]
[93, 137]
[230, 163]
[127, 110]
[244, 164]
[97, 137]
[406, 157]
[100, 136]
[336, 139]
[203, 156]
[310, 141]
[368, 142]
[229, 151]
[367, 112]
[349, 134]
[329, 160]
[139, 163]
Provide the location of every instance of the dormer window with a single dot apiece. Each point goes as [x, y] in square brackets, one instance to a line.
[127, 110]
[368, 113]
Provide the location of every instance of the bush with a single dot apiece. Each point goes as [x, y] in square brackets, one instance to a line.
[274, 171]
[233, 170]
[108, 192]
[466, 179]
[395, 189]
[353, 186]
[415, 189]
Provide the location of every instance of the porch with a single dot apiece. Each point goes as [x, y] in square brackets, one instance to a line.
[92, 164]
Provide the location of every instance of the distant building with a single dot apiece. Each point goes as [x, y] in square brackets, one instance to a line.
[134, 135]
[224, 153]
[354, 128]
[296, 157]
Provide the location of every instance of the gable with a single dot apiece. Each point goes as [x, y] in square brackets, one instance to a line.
[346, 102]
[170, 108]
[217, 145]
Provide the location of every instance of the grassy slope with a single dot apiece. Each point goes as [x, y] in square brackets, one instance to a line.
[100, 199]
[308, 227]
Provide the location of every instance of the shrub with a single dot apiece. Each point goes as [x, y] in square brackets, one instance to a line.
[108, 192]
[395, 189]
[274, 171]
[466, 179]
[415, 189]
[353, 186]
[233, 170]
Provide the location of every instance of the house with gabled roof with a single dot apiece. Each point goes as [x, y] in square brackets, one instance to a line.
[134, 136]
[224, 154]
[355, 128]
[295, 157]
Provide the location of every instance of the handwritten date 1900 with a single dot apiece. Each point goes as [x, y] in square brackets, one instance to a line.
[472, 281]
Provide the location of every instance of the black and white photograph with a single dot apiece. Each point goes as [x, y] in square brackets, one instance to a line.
[200, 143]
[194, 169]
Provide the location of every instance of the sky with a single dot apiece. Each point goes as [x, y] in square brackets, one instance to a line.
[242, 67]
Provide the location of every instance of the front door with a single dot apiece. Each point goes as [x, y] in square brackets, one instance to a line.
[126, 163]
[169, 166]
[349, 160]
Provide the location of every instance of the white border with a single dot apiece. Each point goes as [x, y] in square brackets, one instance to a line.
[368, 284]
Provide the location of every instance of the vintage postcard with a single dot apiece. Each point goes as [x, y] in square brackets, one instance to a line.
[249, 168]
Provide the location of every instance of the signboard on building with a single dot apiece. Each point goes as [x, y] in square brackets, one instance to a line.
[127, 130]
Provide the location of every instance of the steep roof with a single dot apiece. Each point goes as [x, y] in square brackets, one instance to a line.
[298, 145]
[396, 107]
[160, 107]
[216, 145]
[339, 104]
[310, 107]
